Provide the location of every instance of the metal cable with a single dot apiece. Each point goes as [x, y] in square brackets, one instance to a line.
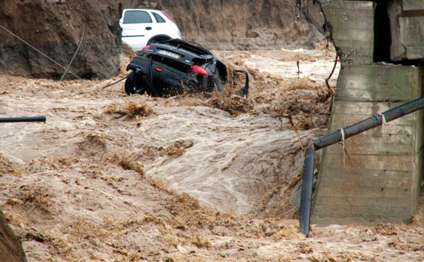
[37, 50]
[327, 80]
[115, 82]
[74, 56]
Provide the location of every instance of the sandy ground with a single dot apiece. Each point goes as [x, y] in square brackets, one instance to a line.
[191, 178]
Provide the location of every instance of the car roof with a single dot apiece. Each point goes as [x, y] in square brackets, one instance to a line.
[136, 9]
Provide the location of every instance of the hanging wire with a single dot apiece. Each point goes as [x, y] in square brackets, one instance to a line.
[115, 82]
[38, 51]
[74, 56]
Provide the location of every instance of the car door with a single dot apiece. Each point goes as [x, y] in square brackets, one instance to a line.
[161, 26]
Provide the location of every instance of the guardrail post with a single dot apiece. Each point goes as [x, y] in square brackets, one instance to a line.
[307, 188]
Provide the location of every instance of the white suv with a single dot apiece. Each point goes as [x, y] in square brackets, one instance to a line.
[142, 26]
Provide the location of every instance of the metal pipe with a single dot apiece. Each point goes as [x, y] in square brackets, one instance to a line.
[23, 119]
[369, 123]
[307, 188]
[337, 136]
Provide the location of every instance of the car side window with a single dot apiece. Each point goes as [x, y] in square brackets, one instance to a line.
[137, 17]
[159, 18]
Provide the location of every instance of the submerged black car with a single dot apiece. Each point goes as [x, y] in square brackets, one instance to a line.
[173, 66]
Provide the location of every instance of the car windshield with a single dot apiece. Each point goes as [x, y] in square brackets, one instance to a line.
[172, 63]
[137, 17]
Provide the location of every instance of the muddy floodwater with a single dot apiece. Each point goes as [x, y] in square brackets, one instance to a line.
[206, 177]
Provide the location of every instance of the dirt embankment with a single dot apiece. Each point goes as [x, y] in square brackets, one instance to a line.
[56, 27]
[242, 24]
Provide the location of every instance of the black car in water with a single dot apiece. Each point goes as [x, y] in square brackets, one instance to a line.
[173, 66]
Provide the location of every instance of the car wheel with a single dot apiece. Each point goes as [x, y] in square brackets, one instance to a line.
[130, 88]
[133, 85]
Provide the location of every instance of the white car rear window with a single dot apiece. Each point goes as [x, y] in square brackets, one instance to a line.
[137, 17]
[159, 18]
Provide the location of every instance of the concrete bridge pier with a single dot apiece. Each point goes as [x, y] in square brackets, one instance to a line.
[374, 177]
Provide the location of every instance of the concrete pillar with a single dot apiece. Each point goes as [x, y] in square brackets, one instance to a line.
[352, 24]
[375, 176]
[376, 179]
[407, 26]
